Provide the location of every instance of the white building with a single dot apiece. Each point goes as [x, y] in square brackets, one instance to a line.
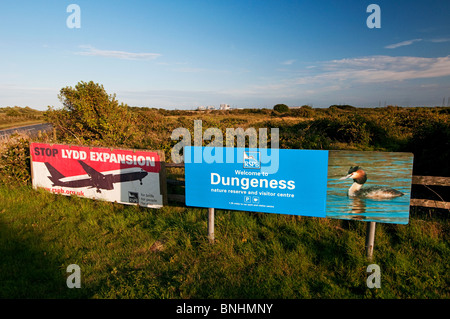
[224, 107]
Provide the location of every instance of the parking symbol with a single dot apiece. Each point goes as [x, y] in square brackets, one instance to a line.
[247, 199]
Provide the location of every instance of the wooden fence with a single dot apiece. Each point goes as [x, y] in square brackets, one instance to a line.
[416, 180]
[431, 181]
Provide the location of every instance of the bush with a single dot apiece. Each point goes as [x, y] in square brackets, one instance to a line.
[281, 108]
[15, 161]
[344, 107]
[431, 147]
[304, 111]
[351, 130]
[92, 116]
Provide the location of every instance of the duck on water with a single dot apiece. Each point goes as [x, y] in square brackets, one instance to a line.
[359, 177]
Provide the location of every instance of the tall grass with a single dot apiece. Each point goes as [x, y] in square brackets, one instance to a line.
[132, 252]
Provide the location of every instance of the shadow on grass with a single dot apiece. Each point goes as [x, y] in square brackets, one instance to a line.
[27, 271]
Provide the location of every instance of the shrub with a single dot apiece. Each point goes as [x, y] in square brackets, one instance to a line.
[15, 161]
[91, 115]
[281, 108]
[304, 111]
[344, 107]
[431, 147]
[343, 129]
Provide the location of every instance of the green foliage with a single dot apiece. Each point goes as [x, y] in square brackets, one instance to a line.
[352, 130]
[304, 111]
[91, 116]
[13, 112]
[383, 129]
[20, 111]
[430, 144]
[281, 108]
[15, 161]
[345, 107]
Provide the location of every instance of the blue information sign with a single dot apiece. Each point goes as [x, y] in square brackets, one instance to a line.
[333, 184]
[262, 180]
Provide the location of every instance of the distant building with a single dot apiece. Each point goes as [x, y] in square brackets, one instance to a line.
[211, 107]
[224, 107]
[201, 108]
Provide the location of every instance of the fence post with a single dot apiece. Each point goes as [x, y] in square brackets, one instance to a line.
[211, 225]
[370, 239]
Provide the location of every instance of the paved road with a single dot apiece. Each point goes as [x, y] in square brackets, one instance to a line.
[29, 129]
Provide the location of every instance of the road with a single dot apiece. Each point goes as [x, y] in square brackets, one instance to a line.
[29, 129]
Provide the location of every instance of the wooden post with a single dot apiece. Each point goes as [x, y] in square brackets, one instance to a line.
[370, 239]
[211, 225]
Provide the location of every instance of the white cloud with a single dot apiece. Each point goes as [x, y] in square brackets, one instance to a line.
[288, 62]
[123, 55]
[402, 44]
[386, 68]
[347, 74]
[440, 40]
[376, 69]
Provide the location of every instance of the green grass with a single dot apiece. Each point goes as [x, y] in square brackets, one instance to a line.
[132, 252]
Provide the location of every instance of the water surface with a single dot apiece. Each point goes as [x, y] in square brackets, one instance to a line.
[383, 169]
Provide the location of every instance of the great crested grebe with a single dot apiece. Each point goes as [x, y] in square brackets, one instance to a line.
[359, 177]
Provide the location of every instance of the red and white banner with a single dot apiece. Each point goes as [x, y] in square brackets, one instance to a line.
[115, 175]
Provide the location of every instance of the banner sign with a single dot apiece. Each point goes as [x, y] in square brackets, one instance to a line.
[316, 183]
[115, 175]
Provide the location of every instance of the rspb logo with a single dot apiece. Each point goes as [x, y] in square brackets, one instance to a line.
[133, 197]
[252, 160]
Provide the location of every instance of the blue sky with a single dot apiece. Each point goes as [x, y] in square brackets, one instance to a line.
[246, 53]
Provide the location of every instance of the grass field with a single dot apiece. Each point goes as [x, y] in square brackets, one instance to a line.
[11, 117]
[132, 252]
